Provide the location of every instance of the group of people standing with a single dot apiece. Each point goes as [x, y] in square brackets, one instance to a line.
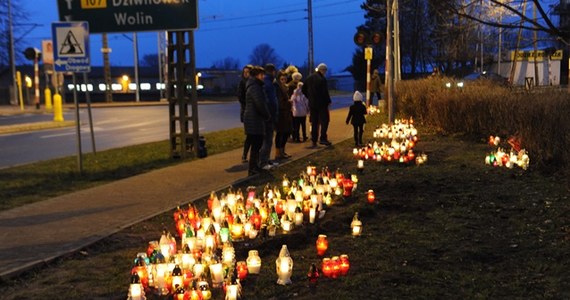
[274, 107]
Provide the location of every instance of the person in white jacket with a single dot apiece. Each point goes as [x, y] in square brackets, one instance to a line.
[300, 110]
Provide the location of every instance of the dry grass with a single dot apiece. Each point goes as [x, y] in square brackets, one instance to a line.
[453, 228]
[539, 119]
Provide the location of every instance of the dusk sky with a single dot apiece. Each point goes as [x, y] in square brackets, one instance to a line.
[229, 28]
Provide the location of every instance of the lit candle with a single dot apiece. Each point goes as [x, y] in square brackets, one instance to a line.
[228, 254]
[141, 269]
[136, 290]
[241, 268]
[165, 245]
[286, 224]
[232, 291]
[187, 259]
[253, 262]
[335, 263]
[177, 277]
[204, 289]
[217, 274]
[344, 264]
[224, 232]
[356, 225]
[347, 185]
[322, 244]
[237, 231]
[159, 274]
[198, 269]
[326, 267]
[298, 216]
[371, 197]
[284, 266]
[285, 183]
[312, 214]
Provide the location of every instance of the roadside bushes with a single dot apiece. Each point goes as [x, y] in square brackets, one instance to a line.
[540, 119]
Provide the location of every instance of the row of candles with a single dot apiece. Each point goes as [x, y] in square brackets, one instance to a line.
[206, 239]
[403, 138]
[502, 158]
[373, 109]
[387, 153]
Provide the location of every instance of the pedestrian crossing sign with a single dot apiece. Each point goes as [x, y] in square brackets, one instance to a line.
[71, 43]
[70, 46]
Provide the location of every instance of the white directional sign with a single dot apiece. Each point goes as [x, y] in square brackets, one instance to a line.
[71, 46]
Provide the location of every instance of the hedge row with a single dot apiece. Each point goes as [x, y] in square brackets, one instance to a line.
[540, 118]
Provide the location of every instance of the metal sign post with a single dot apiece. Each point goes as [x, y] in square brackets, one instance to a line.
[179, 18]
[71, 54]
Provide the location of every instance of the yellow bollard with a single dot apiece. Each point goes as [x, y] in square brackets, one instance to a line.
[47, 95]
[57, 108]
[19, 81]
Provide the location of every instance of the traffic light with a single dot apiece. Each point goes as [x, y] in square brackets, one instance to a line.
[361, 38]
[31, 53]
[376, 38]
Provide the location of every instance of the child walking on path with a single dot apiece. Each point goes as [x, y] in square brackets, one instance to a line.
[356, 117]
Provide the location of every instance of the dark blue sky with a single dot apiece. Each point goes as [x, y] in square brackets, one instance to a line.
[230, 28]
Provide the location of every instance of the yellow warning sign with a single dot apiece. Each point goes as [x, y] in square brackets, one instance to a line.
[89, 4]
[368, 53]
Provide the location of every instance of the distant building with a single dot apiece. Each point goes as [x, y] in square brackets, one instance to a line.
[548, 63]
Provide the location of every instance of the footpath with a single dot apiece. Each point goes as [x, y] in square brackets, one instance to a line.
[38, 233]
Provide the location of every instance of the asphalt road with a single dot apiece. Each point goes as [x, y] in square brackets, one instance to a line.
[113, 127]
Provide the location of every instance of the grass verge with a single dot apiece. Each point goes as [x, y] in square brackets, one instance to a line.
[43, 180]
[34, 126]
[453, 228]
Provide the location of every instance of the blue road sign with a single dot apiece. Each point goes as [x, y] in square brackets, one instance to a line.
[71, 47]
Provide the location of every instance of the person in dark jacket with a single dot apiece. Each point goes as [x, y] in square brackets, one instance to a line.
[316, 89]
[241, 98]
[270, 93]
[284, 124]
[376, 87]
[356, 117]
[255, 116]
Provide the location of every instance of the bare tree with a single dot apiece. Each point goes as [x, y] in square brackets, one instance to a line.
[228, 63]
[416, 27]
[19, 30]
[454, 37]
[263, 54]
[150, 60]
[513, 7]
[415, 43]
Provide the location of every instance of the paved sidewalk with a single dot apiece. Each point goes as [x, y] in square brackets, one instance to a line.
[38, 233]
